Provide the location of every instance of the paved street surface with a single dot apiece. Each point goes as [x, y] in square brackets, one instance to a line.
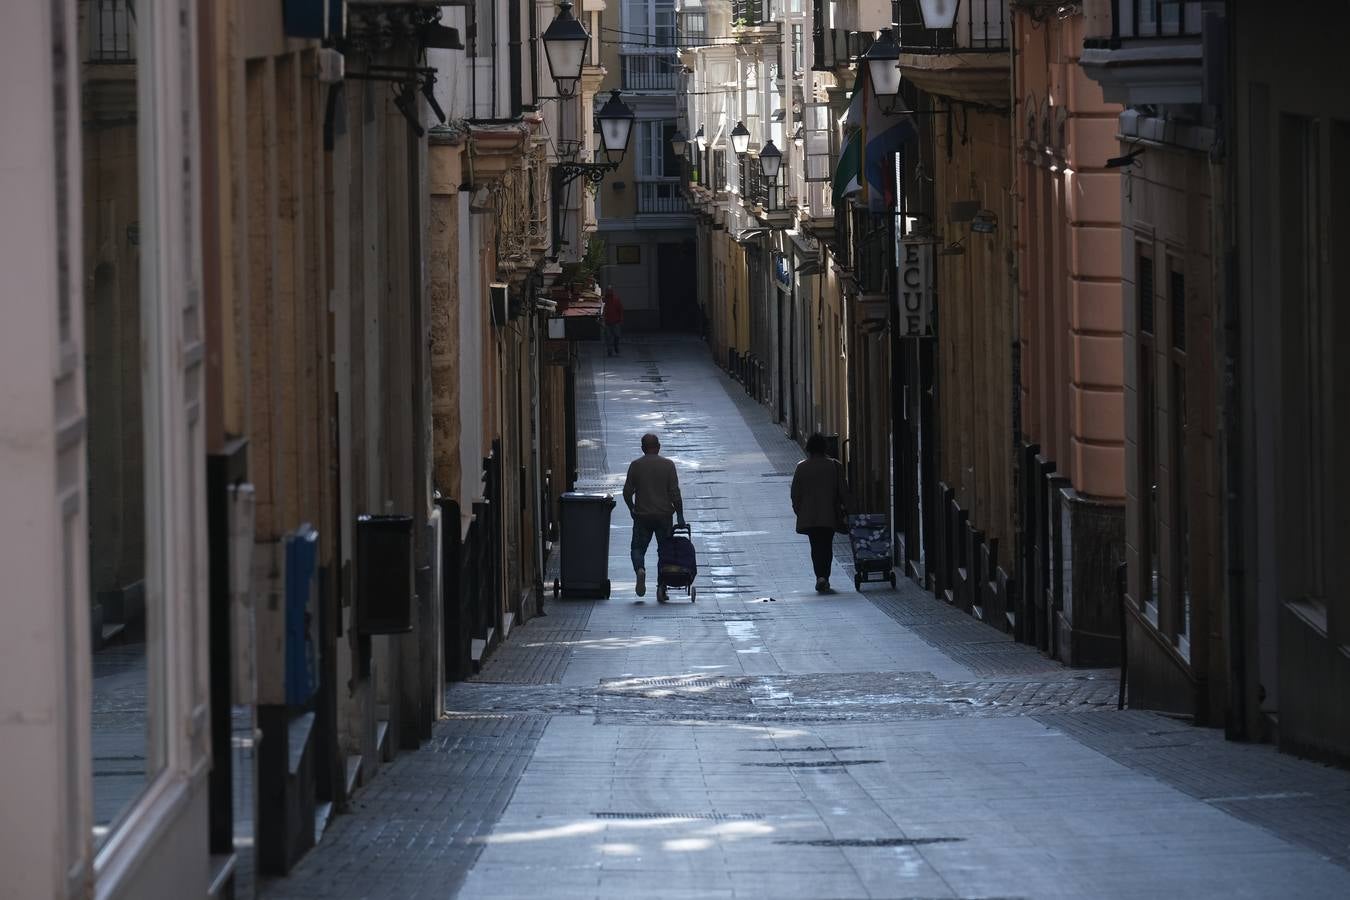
[770, 742]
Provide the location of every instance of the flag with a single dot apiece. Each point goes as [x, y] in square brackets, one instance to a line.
[885, 133]
[848, 171]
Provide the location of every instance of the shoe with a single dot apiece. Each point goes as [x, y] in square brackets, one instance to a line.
[822, 585]
[641, 582]
[662, 595]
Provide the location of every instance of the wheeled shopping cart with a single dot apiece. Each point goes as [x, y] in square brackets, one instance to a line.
[677, 564]
[869, 536]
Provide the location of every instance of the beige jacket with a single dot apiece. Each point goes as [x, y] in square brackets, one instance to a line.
[818, 493]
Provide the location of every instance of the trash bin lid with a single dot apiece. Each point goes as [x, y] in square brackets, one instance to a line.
[582, 497]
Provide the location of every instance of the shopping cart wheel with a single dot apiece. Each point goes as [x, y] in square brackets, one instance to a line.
[606, 588]
[693, 594]
[557, 589]
[857, 583]
[892, 581]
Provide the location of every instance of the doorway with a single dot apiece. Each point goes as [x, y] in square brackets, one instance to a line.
[676, 294]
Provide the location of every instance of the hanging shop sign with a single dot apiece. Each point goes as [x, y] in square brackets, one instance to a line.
[916, 288]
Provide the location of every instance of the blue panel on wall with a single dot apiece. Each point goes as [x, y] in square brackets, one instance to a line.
[324, 19]
[302, 663]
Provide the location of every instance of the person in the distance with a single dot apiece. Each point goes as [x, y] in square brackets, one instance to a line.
[818, 502]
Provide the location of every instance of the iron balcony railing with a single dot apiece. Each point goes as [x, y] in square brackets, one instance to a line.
[643, 72]
[751, 12]
[1155, 19]
[660, 197]
[980, 25]
[834, 47]
[869, 248]
[768, 193]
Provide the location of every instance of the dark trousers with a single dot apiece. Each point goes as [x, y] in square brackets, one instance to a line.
[822, 550]
[644, 529]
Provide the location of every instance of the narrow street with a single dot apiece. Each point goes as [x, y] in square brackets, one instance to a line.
[767, 741]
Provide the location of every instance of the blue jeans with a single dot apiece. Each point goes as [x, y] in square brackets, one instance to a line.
[644, 528]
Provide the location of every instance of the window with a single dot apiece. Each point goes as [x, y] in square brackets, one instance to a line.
[656, 157]
[1338, 235]
[816, 141]
[1180, 459]
[1149, 524]
[129, 741]
[695, 28]
[649, 23]
[1306, 358]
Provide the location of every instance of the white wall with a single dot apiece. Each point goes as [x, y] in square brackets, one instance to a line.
[44, 647]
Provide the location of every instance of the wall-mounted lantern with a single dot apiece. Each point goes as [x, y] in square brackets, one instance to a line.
[740, 139]
[565, 42]
[770, 160]
[883, 67]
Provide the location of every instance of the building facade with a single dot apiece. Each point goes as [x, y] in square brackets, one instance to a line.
[301, 421]
[1285, 280]
[104, 448]
[1070, 397]
[644, 220]
[1172, 202]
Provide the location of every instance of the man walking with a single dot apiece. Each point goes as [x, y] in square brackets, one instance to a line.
[652, 494]
[613, 313]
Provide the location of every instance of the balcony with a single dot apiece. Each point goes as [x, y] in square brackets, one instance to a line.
[645, 73]
[966, 62]
[766, 198]
[751, 13]
[1152, 53]
[661, 198]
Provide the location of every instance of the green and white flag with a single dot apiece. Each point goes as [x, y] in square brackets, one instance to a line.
[848, 172]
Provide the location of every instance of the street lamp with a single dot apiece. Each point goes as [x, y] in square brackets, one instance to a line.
[883, 67]
[565, 41]
[740, 139]
[770, 160]
[679, 143]
[616, 126]
[939, 13]
[700, 140]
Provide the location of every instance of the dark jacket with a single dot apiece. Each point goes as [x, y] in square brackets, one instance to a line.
[818, 493]
[652, 489]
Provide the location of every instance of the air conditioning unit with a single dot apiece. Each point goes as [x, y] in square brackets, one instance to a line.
[499, 303]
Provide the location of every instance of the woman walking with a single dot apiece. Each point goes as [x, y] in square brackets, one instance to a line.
[818, 501]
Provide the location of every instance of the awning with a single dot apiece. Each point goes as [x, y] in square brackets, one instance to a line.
[750, 234]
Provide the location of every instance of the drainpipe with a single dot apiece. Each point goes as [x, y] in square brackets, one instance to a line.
[513, 55]
[424, 642]
[1236, 725]
[534, 55]
[1015, 375]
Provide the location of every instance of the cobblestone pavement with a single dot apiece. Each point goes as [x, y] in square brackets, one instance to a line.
[767, 741]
